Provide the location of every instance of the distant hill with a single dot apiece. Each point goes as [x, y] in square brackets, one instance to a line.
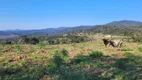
[125, 23]
[49, 31]
[117, 27]
[109, 27]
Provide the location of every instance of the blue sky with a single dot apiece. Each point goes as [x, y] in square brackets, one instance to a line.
[39, 14]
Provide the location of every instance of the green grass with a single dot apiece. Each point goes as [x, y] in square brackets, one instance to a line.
[19, 48]
[139, 42]
[96, 54]
[32, 50]
[70, 62]
[140, 49]
[127, 49]
[41, 45]
[127, 54]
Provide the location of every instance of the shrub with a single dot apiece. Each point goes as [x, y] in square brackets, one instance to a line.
[28, 40]
[41, 45]
[79, 58]
[96, 54]
[140, 49]
[57, 60]
[64, 52]
[137, 37]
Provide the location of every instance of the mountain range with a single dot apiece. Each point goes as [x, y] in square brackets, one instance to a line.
[125, 23]
[62, 30]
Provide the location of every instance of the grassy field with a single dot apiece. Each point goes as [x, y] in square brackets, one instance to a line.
[77, 61]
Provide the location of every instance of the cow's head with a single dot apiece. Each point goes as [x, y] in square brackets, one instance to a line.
[106, 42]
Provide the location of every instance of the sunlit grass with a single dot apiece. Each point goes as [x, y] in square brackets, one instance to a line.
[88, 55]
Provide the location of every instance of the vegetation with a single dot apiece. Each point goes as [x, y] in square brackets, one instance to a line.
[96, 54]
[127, 49]
[76, 61]
[51, 40]
[73, 56]
[140, 49]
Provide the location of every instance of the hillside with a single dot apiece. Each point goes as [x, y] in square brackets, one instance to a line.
[49, 31]
[117, 27]
[124, 23]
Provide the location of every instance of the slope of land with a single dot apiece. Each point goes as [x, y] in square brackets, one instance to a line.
[125, 23]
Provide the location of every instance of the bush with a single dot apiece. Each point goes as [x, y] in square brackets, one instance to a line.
[137, 37]
[57, 60]
[79, 58]
[28, 40]
[34, 40]
[59, 57]
[41, 45]
[96, 54]
[64, 52]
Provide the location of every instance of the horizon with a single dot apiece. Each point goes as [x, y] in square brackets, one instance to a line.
[41, 14]
[63, 26]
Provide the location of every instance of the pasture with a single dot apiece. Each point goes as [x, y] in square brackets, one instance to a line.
[77, 61]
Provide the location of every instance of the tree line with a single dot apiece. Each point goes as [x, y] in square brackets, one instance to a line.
[51, 40]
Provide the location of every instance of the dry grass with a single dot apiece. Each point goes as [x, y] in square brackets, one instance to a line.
[33, 55]
[73, 49]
